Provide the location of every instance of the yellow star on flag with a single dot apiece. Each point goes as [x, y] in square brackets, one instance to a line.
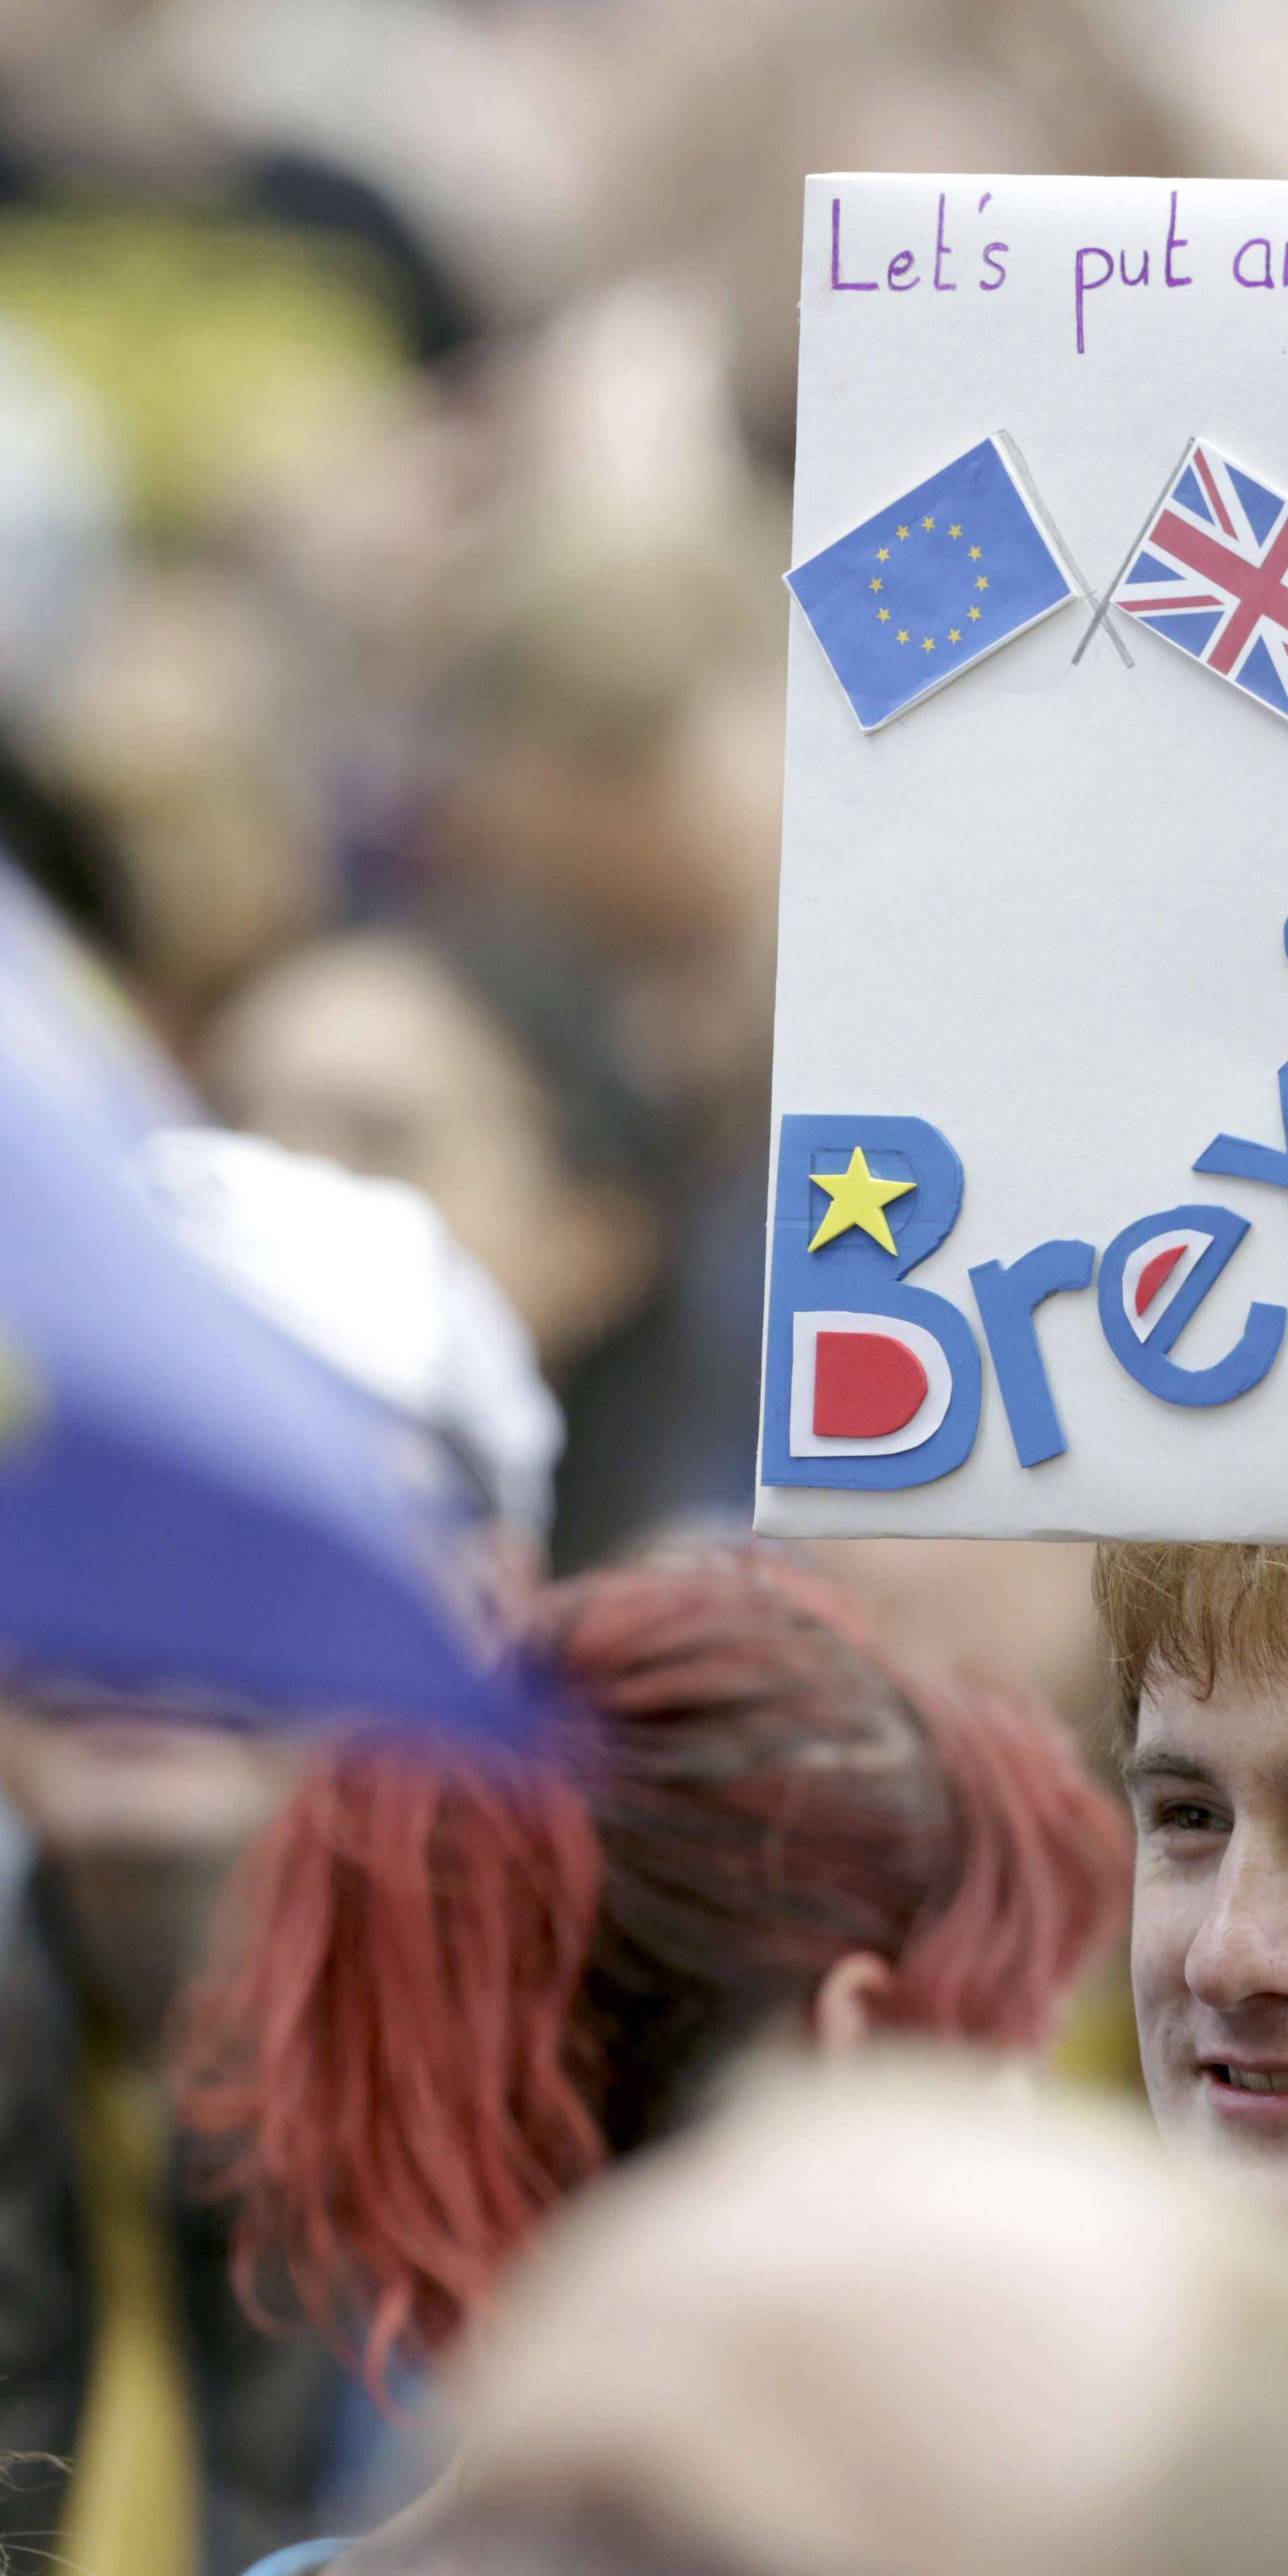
[901, 532]
[876, 582]
[954, 634]
[927, 523]
[954, 531]
[883, 554]
[981, 581]
[858, 1198]
[903, 636]
[974, 612]
[975, 553]
[884, 615]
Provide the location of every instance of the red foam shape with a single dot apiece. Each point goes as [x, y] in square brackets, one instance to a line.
[1154, 1273]
[866, 1385]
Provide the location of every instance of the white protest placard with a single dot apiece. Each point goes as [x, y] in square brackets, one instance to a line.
[1029, 1202]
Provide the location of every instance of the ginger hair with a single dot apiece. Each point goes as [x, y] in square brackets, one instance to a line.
[1194, 1612]
[446, 1994]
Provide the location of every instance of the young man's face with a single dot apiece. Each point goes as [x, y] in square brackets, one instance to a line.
[1208, 1781]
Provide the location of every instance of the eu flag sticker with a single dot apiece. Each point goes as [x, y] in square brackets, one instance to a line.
[951, 570]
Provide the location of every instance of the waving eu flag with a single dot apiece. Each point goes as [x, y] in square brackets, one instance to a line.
[195, 1510]
[951, 570]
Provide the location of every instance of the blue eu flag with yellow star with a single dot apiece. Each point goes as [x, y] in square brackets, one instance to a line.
[948, 572]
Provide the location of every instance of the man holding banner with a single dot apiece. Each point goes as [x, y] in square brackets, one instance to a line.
[1026, 1272]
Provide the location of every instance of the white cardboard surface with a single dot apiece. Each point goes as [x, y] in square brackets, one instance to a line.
[1044, 910]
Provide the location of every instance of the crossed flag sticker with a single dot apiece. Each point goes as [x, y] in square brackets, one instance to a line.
[969, 559]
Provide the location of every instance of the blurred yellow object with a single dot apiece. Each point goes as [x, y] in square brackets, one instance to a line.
[23, 1402]
[134, 2506]
[1097, 2046]
[220, 351]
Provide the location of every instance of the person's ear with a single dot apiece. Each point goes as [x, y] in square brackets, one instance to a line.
[843, 2004]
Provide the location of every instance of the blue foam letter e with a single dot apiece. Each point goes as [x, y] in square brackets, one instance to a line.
[1149, 1360]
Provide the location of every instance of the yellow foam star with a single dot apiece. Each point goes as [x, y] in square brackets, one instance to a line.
[975, 553]
[927, 523]
[954, 531]
[975, 612]
[883, 554]
[858, 1198]
[927, 643]
[954, 634]
[903, 637]
[884, 615]
[876, 582]
[981, 581]
[903, 532]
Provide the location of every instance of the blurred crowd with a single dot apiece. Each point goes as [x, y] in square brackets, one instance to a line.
[396, 407]
[396, 417]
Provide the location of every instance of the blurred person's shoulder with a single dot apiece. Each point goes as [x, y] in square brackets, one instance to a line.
[399, 2547]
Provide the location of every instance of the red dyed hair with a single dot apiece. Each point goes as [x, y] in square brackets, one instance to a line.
[446, 1995]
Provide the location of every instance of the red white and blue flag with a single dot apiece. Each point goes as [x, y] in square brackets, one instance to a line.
[1211, 574]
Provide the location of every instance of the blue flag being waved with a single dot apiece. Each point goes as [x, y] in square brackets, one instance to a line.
[930, 585]
[196, 1511]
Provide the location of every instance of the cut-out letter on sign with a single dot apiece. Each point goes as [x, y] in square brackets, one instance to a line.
[868, 1382]
[1006, 1297]
[1237, 1158]
[1153, 1279]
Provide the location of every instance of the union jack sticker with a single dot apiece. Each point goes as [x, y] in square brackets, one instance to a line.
[1211, 574]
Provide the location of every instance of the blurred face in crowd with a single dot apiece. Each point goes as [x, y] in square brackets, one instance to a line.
[665, 842]
[134, 1787]
[381, 1061]
[138, 1821]
[1209, 1786]
[178, 719]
